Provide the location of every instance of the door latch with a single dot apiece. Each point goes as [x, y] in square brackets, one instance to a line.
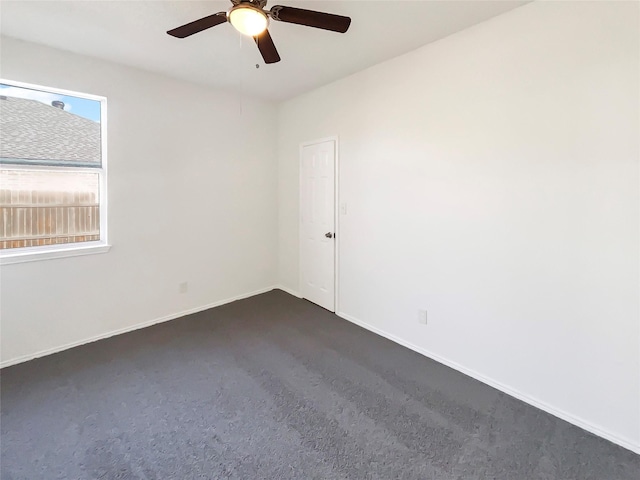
[328, 235]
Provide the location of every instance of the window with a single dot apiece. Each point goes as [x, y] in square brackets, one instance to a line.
[52, 173]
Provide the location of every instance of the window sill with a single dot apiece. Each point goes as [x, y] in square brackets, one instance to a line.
[36, 254]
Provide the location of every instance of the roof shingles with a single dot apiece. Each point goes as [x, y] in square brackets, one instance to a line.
[33, 130]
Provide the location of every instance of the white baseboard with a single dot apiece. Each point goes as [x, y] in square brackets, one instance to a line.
[138, 326]
[288, 290]
[580, 422]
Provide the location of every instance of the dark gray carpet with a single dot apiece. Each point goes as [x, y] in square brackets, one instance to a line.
[274, 387]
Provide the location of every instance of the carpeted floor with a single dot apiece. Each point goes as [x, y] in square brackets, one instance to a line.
[274, 387]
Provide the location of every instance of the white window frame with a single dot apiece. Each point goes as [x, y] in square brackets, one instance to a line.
[46, 252]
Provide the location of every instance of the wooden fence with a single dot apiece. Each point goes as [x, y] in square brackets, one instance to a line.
[33, 218]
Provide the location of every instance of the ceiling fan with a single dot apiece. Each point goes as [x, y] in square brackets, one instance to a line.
[250, 18]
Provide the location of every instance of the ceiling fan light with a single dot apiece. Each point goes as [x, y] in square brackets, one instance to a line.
[248, 20]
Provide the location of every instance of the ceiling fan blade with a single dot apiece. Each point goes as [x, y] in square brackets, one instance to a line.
[309, 18]
[267, 47]
[199, 25]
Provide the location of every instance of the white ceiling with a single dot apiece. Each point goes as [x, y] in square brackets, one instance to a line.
[133, 33]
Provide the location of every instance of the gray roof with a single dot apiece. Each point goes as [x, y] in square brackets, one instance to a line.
[31, 130]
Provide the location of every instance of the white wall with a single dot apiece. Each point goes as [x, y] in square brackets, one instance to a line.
[192, 197]
[492, 178]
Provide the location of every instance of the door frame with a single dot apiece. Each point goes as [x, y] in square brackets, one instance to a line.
[336, 214]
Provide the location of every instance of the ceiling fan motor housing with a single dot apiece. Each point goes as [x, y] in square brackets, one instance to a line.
[257, 3]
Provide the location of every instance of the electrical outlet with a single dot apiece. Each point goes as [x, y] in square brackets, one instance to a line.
[422, 317]
[183, 287]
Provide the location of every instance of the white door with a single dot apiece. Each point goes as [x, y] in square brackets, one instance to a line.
[317, 223]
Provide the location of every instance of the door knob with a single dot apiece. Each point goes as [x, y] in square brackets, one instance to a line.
[328, 235]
